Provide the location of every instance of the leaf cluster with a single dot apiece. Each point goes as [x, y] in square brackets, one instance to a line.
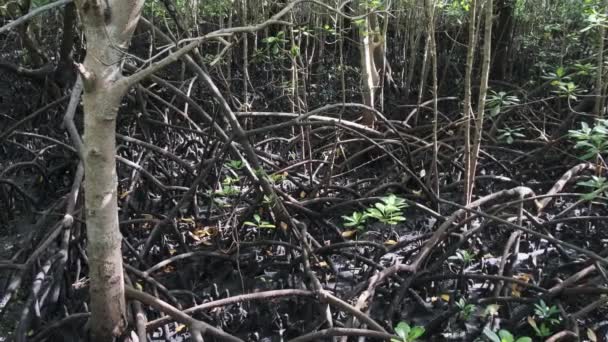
[388, 210]
[592, 140]
[407, 333]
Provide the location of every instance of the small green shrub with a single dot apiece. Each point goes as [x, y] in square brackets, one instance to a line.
[407, 333]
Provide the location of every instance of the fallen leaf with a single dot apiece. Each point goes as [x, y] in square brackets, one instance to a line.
[516, 289]
[205, 232]
[445, 297]
[189, 220]
[349, 233]
[194, 236]
[390, 242]
[591, 335]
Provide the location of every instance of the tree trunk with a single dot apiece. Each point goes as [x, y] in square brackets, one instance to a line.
[467, 105]
[108, 26]
[502, 37]
[371, 52]
[481, 103]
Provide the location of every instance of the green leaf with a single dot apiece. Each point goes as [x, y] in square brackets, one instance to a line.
[495, 111]
[402, 330]
[416, 332]
[491, 335]
[524, 339]
[505, 336]
[295, 51]
[589, 155]
[373, 212]
[359, 22]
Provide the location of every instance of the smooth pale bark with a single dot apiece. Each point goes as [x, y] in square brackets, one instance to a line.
[483, 90]
[108, 27]
[371, 53]
[468, 187]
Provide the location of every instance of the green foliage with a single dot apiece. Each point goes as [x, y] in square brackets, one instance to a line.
[388, 210]
[456, 11]
[563, 83]
[228, 187]
[466, 309]
[498, 100]
[594, 19]
[295, 50]
[541, 331]
[548, 316]
[407, 333]
[547, 313]
[586, 69]
[357, 219]
[235, 164]
[216, 8]
[230, 180]
[598, 186]
[273, 178]
[227, 191]
[557, 77]
[508, 135]
[503, 336]
[568, 90]
[276, 178]
[330, 30]
[274, 44]
[259, 223]
[592, 140]
[269, 201]
[154, 9]
[374, 4]
[359, 22]
[361, 25]
[456, 6]
[463, 256]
